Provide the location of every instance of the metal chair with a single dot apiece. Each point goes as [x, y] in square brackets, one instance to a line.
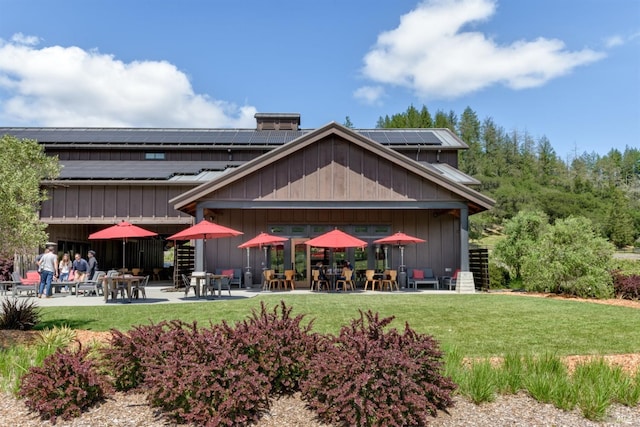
[188, 284]
[138, 288]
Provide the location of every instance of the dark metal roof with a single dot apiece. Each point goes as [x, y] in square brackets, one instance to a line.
[240, 137]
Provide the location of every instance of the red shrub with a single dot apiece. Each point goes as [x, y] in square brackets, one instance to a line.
[279, 344]
[66, 384]
[197, 377]
[124, 356]
[370, 377]
[626, 286]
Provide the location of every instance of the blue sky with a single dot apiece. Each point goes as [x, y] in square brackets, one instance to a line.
[565, 69]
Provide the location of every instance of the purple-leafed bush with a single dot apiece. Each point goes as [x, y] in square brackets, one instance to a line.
[197, 377]
[369, 377]
[279, 344]
[123, 357]
[626, 286]
[67, 383]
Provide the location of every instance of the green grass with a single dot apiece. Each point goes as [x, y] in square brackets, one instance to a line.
[478, 325]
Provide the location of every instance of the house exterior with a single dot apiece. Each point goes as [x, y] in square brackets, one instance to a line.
[292, 182]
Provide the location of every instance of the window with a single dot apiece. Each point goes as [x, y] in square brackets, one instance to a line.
[154, 156]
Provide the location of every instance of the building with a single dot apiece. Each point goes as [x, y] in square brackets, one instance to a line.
[293, 182]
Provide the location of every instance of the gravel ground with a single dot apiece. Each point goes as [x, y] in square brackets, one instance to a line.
[520, 410]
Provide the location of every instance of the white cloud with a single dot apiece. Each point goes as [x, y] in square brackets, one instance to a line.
[431, 54]
[68, 86]
[369, 94]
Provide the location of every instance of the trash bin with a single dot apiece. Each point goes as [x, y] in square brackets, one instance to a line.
[248, 279]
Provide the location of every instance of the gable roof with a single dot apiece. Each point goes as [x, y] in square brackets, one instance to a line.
[187, 200]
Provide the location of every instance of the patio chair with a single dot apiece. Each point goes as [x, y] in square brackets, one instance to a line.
[138, 288]
[371, 280]
[91, 286]
[346, 282]
[390, 281]
[189, 284]
[451, 282]
[270, 280]
[28, 285]
[317, 282]
[289, 279]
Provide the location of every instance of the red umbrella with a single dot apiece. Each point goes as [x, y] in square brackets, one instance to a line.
[205, 230]
[401, 240]
[124, 230]
[336, 239]
[262, 239]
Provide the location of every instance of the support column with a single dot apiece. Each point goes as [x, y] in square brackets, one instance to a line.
[199, 244]
[464, 239]
[464, 282]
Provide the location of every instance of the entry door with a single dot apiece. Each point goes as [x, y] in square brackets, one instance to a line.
[301, 263]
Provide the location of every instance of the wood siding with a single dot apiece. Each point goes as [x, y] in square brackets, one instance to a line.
[333, 170]
[91, 203]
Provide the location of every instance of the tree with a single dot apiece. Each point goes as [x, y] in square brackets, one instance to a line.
[570, 258]
[347, 123]
[619, 222]
[523, 233]
[23, 165]
[469, 132]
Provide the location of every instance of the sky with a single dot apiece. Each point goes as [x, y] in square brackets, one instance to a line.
[567, 70]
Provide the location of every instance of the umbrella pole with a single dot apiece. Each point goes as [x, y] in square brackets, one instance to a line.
[124, 244]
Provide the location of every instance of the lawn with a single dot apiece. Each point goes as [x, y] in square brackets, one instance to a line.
[477, 325]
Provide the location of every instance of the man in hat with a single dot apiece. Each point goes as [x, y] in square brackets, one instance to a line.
[93, 264]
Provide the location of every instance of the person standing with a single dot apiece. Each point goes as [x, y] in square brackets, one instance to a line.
[64, 268]
[93, 264]
[49, 265]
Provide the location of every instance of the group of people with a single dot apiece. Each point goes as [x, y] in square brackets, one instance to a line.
[346, 266]
[52, 270]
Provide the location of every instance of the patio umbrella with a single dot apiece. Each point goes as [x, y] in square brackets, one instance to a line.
[261, 240]
[336, 239]
[123, 230]
[399, 239]
[205, 230]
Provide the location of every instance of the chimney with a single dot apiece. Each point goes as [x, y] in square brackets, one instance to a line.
[277, 121]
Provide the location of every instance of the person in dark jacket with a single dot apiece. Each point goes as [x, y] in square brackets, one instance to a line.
[93, 264]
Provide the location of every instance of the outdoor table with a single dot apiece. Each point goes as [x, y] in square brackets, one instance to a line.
[66, 283]
[217, 278]
[128, 279]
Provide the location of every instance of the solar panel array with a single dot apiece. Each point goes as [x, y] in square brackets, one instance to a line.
[141, 170]
[213, 136]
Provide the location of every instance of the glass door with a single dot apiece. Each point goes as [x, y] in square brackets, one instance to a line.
[300, 257]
